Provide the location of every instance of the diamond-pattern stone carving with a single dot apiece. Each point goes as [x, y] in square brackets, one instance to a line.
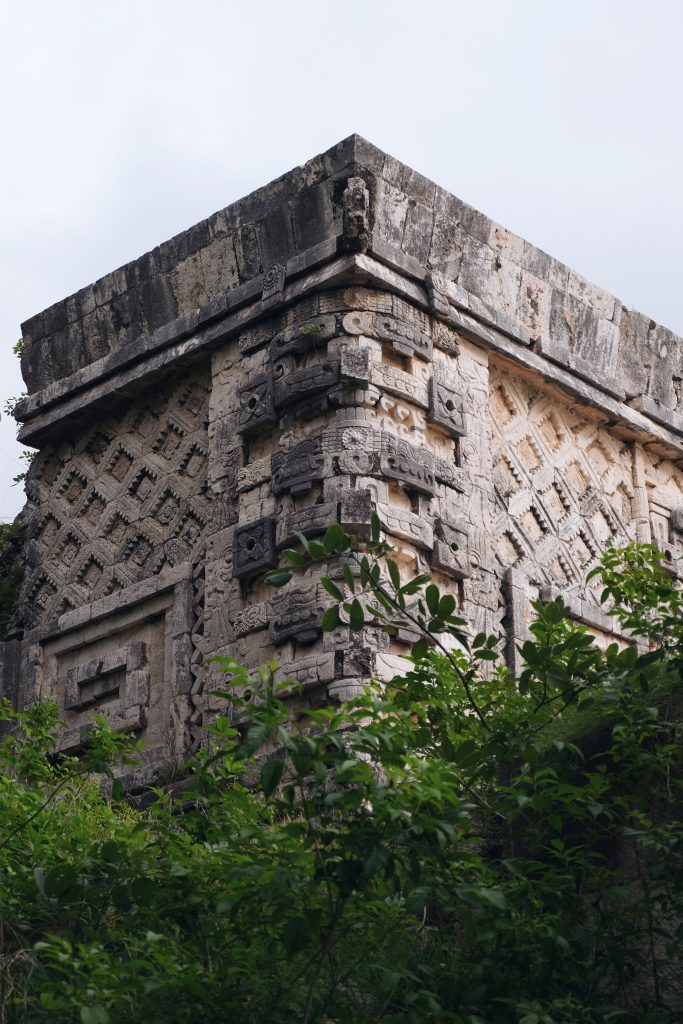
[565, 484]
[118, 496]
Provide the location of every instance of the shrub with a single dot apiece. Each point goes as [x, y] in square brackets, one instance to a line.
[457, 846]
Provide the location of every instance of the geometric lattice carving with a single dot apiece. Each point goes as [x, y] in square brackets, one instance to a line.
[563, 484]
[116, 503]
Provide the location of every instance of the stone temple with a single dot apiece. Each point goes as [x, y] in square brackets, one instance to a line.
[350, 337]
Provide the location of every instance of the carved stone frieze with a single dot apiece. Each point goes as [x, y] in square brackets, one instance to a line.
[446, 404]
[304, 337]
[273, 285]
[256, 406]
[400, 460]
[254, 548]
[405, 525]
[295, 471]
[406, 340]
[294, 387]
[356, 216]
[296, 612]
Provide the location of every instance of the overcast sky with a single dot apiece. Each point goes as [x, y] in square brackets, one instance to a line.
[123, 123]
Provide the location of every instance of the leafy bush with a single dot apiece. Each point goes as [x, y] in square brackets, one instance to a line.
[456, 847]
[11, 572]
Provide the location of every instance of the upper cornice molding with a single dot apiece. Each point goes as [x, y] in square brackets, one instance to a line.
[306, 230]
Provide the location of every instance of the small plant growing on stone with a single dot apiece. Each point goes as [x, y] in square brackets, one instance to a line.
[310, 329]
[27, 456]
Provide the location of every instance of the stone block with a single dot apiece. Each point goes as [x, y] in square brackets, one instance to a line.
[296, 387]
[297, 611]
[295, 471]
[446, 404]
[256, 406]
[452, 549]
[400, 460]
[254, 548]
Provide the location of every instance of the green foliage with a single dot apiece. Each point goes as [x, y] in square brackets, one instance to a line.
[439, 849]
[11, 404]
[310, 329]
[26, 456]
[11, 572]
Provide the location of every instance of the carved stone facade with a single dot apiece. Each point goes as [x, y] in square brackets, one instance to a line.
[348, 339]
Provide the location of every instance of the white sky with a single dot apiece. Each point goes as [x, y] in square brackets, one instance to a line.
[123, 123]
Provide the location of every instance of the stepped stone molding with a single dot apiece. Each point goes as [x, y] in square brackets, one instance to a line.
[348, 339]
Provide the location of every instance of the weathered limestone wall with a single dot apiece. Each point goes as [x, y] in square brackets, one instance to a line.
[567, 486]
[116, 521]
[350, 338]
[352, 402]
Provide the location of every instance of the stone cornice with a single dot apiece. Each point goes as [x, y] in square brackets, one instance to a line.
[639, 420]
[356, 215]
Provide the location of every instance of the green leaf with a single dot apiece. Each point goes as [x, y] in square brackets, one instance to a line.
[348, 576]
[496, 897]
[278, 577]
[394, 574]
[515, 866]
[331, 588]
[330, 619]
[375, 527]
[271, 773]
[296, 934]
[375, 861]
[295, 558]
[112, 852]
[419, 649]
[60, 879]
[465, 754]
[94, 1015]
[335, 539]
[142, 890]
[432, 595]
[446, 606]
[303, 540]
[413, 586]
[356, 614]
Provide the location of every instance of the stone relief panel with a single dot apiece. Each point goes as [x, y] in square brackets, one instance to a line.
[119, 501]
[129, 660]
[565, 487]
[353, 401]
[661, 482]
